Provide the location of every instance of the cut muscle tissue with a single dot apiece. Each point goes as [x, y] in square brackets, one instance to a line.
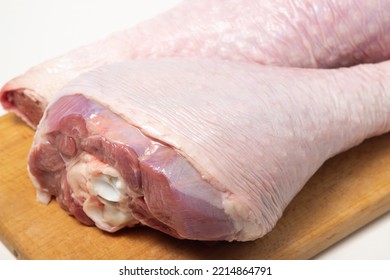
[201, 149]
[304, 33]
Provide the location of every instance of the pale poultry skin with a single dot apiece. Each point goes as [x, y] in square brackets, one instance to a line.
[200, 148]
[306, 33]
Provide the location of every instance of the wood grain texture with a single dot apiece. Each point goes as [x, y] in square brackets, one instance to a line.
[349, 191]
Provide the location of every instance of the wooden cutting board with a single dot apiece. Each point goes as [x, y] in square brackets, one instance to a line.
[349, 191]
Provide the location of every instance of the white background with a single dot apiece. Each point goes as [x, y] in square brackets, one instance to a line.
[33, 31]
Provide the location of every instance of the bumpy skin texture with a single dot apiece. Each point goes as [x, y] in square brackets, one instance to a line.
[248, 136]
[300, 33]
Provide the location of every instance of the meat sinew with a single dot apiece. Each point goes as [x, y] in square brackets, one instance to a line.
[306, 33]
[199, 148]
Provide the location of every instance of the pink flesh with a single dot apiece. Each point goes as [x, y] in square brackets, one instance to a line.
[24, 105]
[319, 34]
[157, 181]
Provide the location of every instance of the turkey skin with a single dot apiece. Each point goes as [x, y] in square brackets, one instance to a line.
[310, 34]
[202, 149]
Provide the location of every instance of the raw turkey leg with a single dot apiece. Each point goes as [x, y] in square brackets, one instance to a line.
[307, 33]
[200, 148]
